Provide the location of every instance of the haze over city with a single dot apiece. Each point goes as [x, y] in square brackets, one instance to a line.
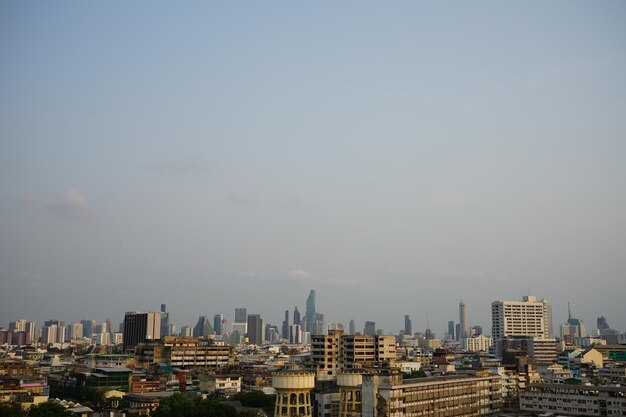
[397, 158]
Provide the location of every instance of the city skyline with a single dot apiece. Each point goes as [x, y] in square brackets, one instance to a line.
[395, 158]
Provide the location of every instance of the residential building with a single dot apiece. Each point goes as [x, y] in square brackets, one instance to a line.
[480, 343]
[574, 399]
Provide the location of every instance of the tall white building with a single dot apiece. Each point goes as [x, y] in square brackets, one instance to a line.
[528, 317]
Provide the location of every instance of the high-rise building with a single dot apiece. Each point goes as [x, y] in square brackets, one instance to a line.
[89, 328]
[186, 331]
[217, 323]
[255, 329]
[528, 318]
[370, 327]
[310, 313]
[241, 315]
[451, 329]
[49, 334]
[296, 316]
[165, 321]
[141, 327]
[203, 327]
[351, 327]
[602, 324]
[408, 325]
[463, 321]
[74, 331]
[295, 334]
[285, 328]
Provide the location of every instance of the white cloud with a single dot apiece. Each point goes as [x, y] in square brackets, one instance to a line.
[72, 203]
[299, 275]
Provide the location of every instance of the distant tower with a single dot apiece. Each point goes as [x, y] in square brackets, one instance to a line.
[285, 329]
[602, 324]
[310, 313]
[293, 392]
[451, 329]
[203, 327]
[296, 316]
[165, 321]
[408, 325]
[370, 327]
[349, 382]
[217, 323]
[463, 321]
[351, 327]
[255, 329]
[241, 315]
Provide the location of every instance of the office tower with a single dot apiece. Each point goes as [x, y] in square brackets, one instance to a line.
[296, 316]
[310, 313]
[319, 323]
[476, 330]
[351, 327]
[408, 325]
[238, 331]
[602, 324]
[457, 329]
[255, 329]
[203, 327]
[89, 327]
[141, 327]
[165, 321]
[463, 321]
[241, 315]
[171, 329]
[295, 334]
[186, 331]
[451, 329]
[577, 327]
[285, 329]
[370, 327]
[217, 323]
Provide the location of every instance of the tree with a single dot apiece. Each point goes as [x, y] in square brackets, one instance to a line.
[418, 373]
[48, 409]
[177, 405]
[11, 409]
[256, 399]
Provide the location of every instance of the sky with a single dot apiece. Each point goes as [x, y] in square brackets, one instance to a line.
[397, 157]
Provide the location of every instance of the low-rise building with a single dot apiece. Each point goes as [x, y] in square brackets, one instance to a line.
[574, 399]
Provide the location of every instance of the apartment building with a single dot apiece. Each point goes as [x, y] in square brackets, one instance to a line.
[571, 399]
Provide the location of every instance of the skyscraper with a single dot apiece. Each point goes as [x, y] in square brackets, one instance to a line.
[463, 321]
[203, 327]
[451, 329]
[296, 316]
[408, 325]
[89, 327]
[351, 327]
[255, 329]
[285, 329]
[602, 324]
[370, 327]
[241, 315]
[165, 321]
[140, 327]
[310, 313]
[217, 323]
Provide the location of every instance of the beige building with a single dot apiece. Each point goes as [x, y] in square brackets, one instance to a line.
[571, 399]
[480, 343]
[388, 395]
[528, 317]
[293, 392]
[336, 351]
[185, 352]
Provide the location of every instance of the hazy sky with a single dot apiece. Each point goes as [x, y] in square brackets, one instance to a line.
[397, 157]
